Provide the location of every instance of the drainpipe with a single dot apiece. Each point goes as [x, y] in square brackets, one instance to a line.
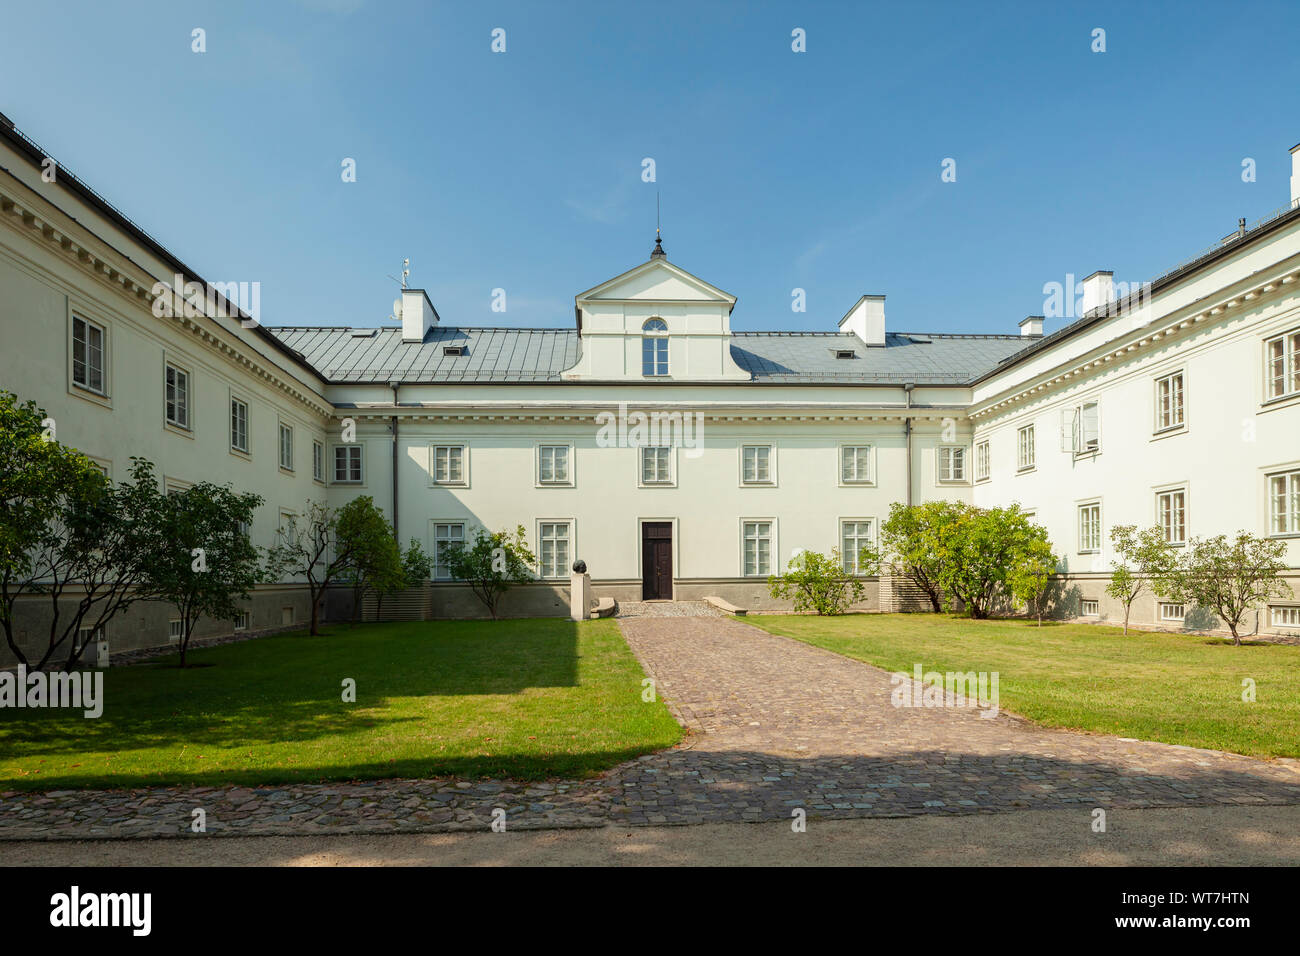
[394, 386]
[907, 434]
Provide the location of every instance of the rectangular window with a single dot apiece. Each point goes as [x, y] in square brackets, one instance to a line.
[1089, 528]
[654, 355]
[854, 536]
[1171, 612]
[286, 447]
[555, 549]
[1026, 448]
[175, 631]
[1089, 609]
[85, 637]
[239, 425]
[1171, 515]
[449, 464]
[553, 464]
[178, 397]
[243, 621]
[87, 355]
[981, 461]
[1284, 503]
[1169, 402]
[445, 534]
[952, 463]
[1085, 429]
[1282, 360]
[756, 546]
[1285, 616]
[347, 464]
[855, 464]
[756, 464]
[656, 465]
[318, 460]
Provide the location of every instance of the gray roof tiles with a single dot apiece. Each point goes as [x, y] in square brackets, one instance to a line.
[540, 355]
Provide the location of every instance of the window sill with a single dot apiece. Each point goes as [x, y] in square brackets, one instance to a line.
[857, 484]
[90, 395]
[1281, 401]
[286, 471]
[449, 484]
[1169, 432]
[183, 430]
[984, 481]
[1027, 469]
[240, 453]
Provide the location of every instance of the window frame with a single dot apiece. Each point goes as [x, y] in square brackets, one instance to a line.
[435, 540]
[1078, 428]
[1163, 607]
[1291, 501]
[983, 460]
[562, 572]
[1026, 463]
[318, 460]
[772, 550]
[1169, 491]
[670, 464]
[1096, 605]
[1159, 427]
[770, 480]
[449, 482]
[855, 571]
[1078, 527]
[654, 347]
[247, 449]
[1290, 366]
[949, 451]
[172, 369]
[100, 394]
[1291, 610]
[360, 463]
[856, 482]
[568, 481]
[283, 429]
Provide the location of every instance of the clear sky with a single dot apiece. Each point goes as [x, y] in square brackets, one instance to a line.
[778, 170]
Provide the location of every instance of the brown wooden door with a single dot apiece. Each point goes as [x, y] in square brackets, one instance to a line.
[657, 561]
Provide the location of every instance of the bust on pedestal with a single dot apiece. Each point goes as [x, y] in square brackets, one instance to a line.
[580, 592]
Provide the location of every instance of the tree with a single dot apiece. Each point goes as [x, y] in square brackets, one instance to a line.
[66, 533]
[376, 561]
[982, 548]
[206, 562]
[1145, 560]
[1030, 577]
[320, 545]
[492, 563]
[912, 539]
[818, 583]
[412, 571]
[1229, 576]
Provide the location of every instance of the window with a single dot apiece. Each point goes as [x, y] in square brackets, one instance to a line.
[1171, 515]
[1089, 528]
[1169, 402]
[554, 538]
[1085, 429]
[1282, 361]
[347, 464]
[318, 460]
[178, 397]
[654, 347]
[87, 355]
[239, 425]
[854, 536]
[449, 464]
[1026, 450]
[287, 530]
[656, 465]
[952, 463]
[756, 548]
[756, 464]
[553, 465]
[1171, 612]
[1284, 503]
[845, 354]
[243, 528]
[243, 621]
[453, 350]
[982, 461]
[286, 614]
[855, 464]
[1285, 616]
[445, 534]
[85, 637]
[1089, 609]
[286, 447]
[175, 630]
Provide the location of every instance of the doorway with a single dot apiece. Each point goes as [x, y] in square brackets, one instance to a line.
[657, 561]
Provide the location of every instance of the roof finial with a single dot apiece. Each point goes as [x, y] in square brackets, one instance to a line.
[658, 252]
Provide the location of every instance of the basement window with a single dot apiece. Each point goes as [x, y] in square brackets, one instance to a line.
[1089, 608]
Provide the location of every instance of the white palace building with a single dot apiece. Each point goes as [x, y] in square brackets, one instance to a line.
[1177, 404]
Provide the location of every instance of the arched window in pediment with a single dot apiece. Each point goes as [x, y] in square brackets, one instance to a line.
[654, 347]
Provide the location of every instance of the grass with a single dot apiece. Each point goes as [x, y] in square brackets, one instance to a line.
[1175, 688]
[523, 699]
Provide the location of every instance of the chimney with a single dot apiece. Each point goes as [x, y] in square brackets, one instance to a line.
[1295, 174]
[417, 314]
[1032, 326]
[1098, 290]
[866, 320]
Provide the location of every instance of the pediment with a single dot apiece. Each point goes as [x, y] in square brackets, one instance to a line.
[657, 281]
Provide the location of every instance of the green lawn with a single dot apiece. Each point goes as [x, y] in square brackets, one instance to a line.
[1176, 688]
[523, 699]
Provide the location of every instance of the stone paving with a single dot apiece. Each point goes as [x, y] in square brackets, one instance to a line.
[775, 725]
[667, 609]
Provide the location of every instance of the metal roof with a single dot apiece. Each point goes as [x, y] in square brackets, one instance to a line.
[505, 355]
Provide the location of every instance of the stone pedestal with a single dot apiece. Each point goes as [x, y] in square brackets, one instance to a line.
[580, 596]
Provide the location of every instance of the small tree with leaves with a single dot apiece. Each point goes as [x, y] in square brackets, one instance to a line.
[205, 563]
[1029, 578]
[912, 539]
[376, 561]
[1143, 562]
[1229, 576]
[492, 563]
[818, 583]
[981, 550]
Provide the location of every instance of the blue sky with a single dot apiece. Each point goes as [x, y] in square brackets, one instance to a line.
[777, 170]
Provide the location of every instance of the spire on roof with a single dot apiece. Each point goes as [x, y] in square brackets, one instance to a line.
[658, 252]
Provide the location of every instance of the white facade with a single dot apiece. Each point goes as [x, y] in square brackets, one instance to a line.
[1178, 417]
